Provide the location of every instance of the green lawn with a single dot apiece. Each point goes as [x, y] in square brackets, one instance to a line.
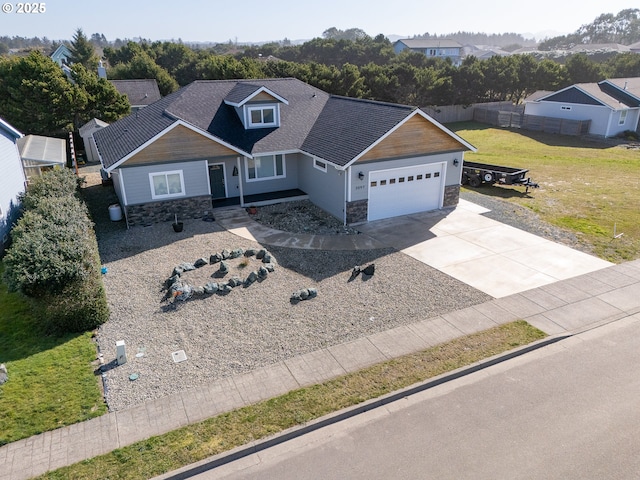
[585, 186]
[51, 381]
[193, 443]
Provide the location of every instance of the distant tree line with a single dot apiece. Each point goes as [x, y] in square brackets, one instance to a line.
[37, 97]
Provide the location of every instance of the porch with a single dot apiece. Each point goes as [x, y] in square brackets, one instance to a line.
[261, 199]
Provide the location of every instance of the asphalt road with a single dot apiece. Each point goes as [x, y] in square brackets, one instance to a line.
[569, 410]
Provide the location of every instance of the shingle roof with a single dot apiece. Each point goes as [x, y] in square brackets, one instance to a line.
[602, 93]
[347, 126]
[139, 92]
[241, 91]
[336, 129]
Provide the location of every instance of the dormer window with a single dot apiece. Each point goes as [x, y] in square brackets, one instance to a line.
[262, 116]
[256, 105]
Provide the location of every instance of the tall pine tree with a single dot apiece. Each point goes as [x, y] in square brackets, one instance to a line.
[82, 51]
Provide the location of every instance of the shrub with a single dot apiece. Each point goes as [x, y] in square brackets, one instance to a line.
[54, 256]
[53, 184]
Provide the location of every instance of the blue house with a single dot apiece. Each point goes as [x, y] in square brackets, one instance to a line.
[432, 48]
[12, 180]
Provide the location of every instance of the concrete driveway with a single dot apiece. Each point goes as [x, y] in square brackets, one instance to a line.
[495, 258]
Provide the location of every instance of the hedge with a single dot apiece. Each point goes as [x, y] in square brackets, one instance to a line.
[54, 255]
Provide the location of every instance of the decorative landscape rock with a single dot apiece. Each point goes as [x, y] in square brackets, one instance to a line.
[198, 291]
[303, 294]
[201, 262]
[179, 289]
[253, 276]
[369, 270]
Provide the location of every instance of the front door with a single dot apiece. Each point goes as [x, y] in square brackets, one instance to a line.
[216, 180]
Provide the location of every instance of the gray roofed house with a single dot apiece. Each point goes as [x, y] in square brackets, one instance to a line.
[140, 92]
[432, 48]
[612, 106]
[254, 142]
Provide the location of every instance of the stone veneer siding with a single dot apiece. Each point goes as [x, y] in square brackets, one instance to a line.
[357, 211]
[157, 212]
[451, 196]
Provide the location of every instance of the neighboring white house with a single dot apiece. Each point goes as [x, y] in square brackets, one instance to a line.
[612, 106]
[432, 48]
[12, 180]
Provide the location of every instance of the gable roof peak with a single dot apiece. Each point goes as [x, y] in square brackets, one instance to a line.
[243, 92]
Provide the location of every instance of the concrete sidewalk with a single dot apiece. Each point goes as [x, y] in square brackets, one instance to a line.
[561, 307]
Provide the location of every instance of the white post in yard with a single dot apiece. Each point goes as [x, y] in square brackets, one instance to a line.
[121, 354]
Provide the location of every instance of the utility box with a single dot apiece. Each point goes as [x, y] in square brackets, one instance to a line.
[121, 354]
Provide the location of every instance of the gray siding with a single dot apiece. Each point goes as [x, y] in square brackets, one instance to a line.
[11, 182]
[326, 190]
[138, 189]
[290, 180]
[453, 174]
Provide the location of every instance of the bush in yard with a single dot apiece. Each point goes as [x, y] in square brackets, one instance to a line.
[53, 184]
[54, 256]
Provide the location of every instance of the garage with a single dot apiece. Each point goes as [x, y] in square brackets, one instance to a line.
[401, 191]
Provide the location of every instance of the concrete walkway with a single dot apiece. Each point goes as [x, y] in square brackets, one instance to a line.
[563, 306]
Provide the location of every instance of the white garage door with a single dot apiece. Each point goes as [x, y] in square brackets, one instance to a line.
[401, 191]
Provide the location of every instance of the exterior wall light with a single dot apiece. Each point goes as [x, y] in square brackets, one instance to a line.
[456, 162]
[361, 175]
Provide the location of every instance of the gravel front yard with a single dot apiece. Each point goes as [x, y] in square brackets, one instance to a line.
[251, 327]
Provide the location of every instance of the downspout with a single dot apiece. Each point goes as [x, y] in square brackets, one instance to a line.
[347, 195]
[124, 196]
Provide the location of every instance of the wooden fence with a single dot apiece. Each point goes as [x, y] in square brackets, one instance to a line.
[515, 118]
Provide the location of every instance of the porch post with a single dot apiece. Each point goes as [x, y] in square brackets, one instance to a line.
[239, 163]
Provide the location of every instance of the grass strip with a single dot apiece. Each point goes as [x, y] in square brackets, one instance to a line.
[51, 380]
[224, 432]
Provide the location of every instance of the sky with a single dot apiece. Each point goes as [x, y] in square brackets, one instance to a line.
[247, 21]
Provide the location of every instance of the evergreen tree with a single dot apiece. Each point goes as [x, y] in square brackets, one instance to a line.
[82, 51]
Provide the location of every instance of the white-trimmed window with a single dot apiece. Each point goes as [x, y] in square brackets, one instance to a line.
[320, 165]
[260, 116]
[623, 117]
[167, 184]
[265, 168]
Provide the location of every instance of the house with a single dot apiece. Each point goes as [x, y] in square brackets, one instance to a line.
[12, 181]
[86, 133]
[432, 48]
[255, 142]
[61, 55]
[139, 92]
[635, 47]
[40, 154]
[612, 106]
